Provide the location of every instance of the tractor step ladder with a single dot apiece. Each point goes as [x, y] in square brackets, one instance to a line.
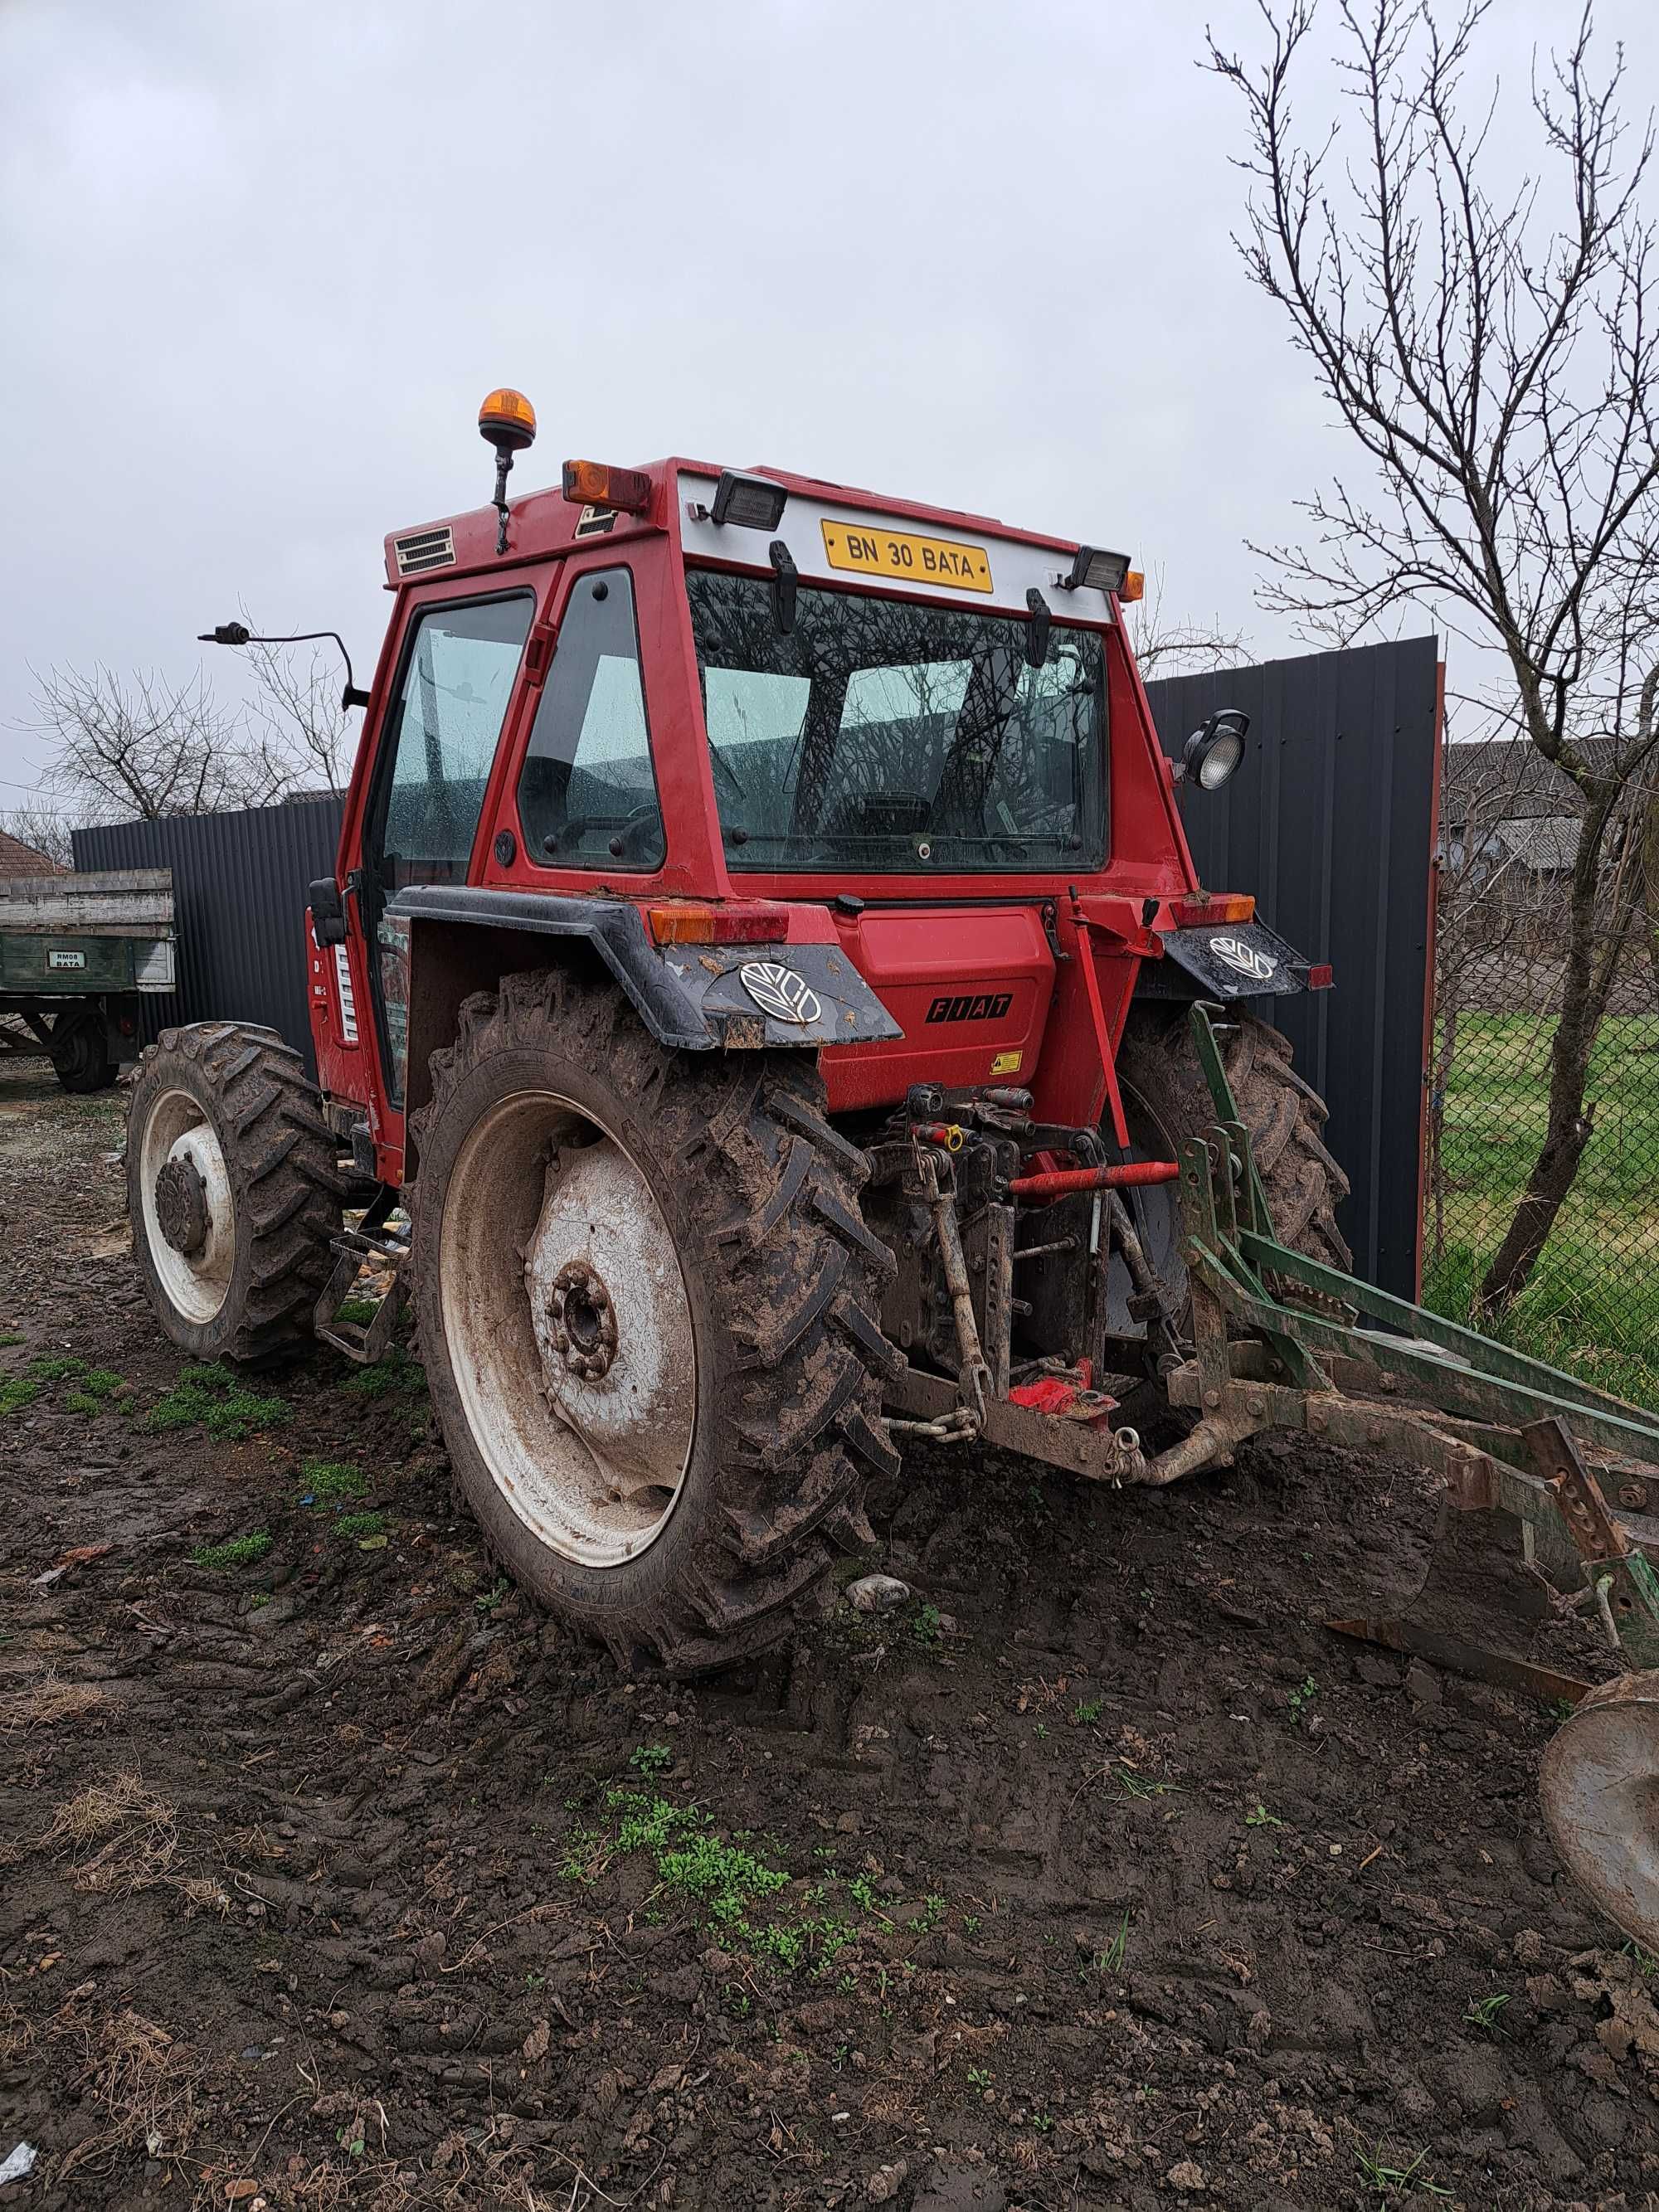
[363, 1341]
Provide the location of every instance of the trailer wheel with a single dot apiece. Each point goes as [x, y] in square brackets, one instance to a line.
[80, 1054]
[234, 1189]
[1167, 1100]
[646, 1299]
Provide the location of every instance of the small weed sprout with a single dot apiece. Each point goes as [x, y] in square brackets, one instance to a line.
[1261, 1817]
[1302, 1697]
[1111, 1960]
[1397, 2180]
[926, 1627]
[979, 2077]
[1483, 2012]
[1087, 1711]
[651, 1757]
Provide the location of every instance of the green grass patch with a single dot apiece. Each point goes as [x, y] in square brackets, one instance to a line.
[387, 1378]
[720, 1878]
[212, 1398]
[8, 1337]
[17, 1394]
[244, 1551]
[55, 1367]
[329, 1481]
[359, 1310]
[361, 1524]
[1592, 1304]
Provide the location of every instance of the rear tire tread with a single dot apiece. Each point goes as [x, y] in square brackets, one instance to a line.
[762, 1196]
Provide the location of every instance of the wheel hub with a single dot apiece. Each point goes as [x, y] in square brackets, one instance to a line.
[181, 1205]
[582, 1320]
[577, 1370]
[188, 1207]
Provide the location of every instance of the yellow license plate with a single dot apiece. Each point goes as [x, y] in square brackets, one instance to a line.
[917, 560]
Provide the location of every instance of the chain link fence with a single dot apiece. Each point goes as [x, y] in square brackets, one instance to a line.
[1591, 1304]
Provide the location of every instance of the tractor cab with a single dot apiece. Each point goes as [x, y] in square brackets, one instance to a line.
[808, 765]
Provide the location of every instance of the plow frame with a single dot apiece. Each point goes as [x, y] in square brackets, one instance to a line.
[1282, 1341]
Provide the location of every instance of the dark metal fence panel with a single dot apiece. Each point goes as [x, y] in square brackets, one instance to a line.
[238, 884]
[1329, 821]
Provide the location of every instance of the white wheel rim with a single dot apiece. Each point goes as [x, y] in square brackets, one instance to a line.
[177, 1129]
[568, 1328]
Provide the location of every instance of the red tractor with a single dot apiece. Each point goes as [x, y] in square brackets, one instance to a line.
[760, 951]
[765, 957]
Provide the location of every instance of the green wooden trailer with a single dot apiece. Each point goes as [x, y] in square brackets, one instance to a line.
[77, 953]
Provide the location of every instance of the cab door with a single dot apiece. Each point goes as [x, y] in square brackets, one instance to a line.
[457, 677]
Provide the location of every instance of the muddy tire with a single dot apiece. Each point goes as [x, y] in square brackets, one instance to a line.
[646, 1298]
[1159, 1074]
[232, 1188]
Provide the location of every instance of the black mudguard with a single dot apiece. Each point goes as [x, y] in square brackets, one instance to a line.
[697, 998]
[1224, 961]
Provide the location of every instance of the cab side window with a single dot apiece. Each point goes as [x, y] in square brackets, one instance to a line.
[458, 678]
[588, 791]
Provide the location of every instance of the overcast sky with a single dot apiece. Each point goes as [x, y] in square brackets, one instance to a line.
[258, 265]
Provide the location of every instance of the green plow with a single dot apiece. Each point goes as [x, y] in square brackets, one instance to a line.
[1556, 1482]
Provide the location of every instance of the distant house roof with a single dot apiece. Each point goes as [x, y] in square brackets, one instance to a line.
[17, 858]
[1548, 843]
[1509, 779]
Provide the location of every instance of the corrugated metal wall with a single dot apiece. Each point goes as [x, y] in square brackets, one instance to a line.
[1329, 821]
[238, 886]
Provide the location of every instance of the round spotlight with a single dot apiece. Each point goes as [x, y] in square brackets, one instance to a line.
[1212, 754]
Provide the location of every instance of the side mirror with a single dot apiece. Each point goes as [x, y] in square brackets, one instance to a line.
[327, 912]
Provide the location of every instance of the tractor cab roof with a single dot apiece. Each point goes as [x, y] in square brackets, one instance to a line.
[833, 532]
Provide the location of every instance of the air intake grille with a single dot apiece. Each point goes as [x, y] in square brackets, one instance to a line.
[423, 549]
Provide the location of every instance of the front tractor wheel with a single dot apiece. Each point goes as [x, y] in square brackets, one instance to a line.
[646, 1298]
[1167, 1100]
[233, 1189]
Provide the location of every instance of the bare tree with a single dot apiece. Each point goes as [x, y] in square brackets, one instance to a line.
[1165, 646]
[297, 716]
[43, 830]
[1496, 363]
[139, 745]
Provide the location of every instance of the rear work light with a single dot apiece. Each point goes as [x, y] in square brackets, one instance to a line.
[1320, 977]
[594, 483]
[746, 502]
[1202, 912]
[693, 922]
[1100, 572]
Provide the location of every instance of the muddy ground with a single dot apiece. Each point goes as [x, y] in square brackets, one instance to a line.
[334, 1876]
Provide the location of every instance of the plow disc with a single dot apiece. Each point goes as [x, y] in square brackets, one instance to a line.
[1600, 1781]
[1550, 1512]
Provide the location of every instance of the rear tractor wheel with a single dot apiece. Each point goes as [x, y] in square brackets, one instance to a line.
[233, 1189]
[646, 1298]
